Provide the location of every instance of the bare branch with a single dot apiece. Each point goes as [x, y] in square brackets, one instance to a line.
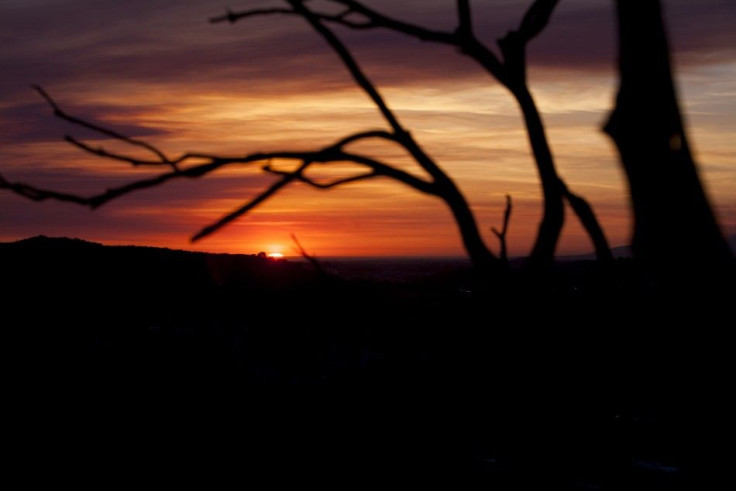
[322, 185]
[326, 155]
[379, 20]
[589, 221]
[347, 58]
[233, 17]
[331, 153]
[462, 39]
[373, 20]
[397, 174]
[467, 44]
[338, 182]
[502, 233]
[513, 45]
[440, 185]
[94, 201]
[101, 152]
[536, 18]
[400, 134]
[58, 112]
[312, 260]
[273, 189]
[341, 18]
[464, 17]
[37, 194]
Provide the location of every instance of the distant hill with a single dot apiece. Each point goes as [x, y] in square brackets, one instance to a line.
[70, 263]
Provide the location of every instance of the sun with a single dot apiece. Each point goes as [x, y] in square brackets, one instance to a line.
[274, 251]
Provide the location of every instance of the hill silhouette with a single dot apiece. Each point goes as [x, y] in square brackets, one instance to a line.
[264, 369]
[119, 267]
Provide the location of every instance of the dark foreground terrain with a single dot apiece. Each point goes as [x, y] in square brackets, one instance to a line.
[144, 365]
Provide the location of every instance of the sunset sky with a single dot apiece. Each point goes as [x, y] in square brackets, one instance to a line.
[157, 70]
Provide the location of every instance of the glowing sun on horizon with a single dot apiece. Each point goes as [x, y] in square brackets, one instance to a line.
[275, 255]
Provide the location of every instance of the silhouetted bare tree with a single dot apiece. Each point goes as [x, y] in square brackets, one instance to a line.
[510, 70]
[673, 221]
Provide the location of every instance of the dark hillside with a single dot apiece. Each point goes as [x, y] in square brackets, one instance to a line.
[242, 366]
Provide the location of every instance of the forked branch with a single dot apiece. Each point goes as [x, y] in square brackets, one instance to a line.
[198, 165]
[510, 71]
[58, 112]
[501, 234]
[206, 164]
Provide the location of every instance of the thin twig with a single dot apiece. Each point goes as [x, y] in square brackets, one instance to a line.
[242, 210]
[312, 260]
[60, 113]
[322, 185]
[504, 230]
[101, 152]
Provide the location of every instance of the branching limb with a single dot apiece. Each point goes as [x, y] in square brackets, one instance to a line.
[536, 19]
[322, 185]
[376, 19]
[372, 20]
[233, 17]
[101, 152]
[589, 221]
[504, 230]
[40, 194]
[330, 154]
[323, 156]
[513, 45]
[400, 134]
[392, 172]
[440, 185]
[341, 18]
[316, 20]
[464, 17]
[272, 190]
[59, 113]
[37, 194]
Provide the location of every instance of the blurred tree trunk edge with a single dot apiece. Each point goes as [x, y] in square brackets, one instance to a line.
[673, 221]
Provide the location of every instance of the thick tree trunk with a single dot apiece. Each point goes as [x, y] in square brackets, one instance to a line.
[674, 225]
